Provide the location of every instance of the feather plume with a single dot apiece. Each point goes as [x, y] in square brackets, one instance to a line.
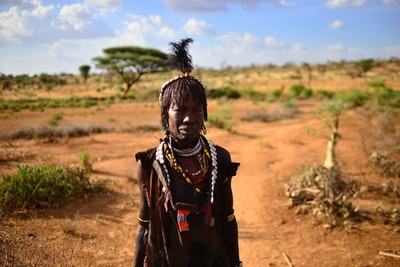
[180, 57]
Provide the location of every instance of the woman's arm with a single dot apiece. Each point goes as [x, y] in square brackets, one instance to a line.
[143, 216]
[229, 170]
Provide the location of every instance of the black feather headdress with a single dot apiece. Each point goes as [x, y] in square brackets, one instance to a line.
[180, 57]
[181, 60]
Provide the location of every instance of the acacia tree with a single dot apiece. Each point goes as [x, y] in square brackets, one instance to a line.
[132, 62]
[308, 68]
[84, 71]
[364, 66]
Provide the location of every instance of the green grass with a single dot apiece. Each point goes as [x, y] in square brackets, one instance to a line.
[55, 119]
[44, 186]
[221, 119]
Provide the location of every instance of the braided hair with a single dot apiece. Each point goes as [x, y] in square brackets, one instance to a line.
[183, 87]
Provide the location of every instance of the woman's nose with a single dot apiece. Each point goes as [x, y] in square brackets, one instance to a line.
[188, 117]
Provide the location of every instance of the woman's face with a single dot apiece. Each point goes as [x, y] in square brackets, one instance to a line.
[185, 122]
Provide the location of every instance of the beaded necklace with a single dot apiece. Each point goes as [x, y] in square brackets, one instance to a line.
[196, 180]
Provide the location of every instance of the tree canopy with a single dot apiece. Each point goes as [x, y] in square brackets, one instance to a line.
[132, 62]
[84, 71]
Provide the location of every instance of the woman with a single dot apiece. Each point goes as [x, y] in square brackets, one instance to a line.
[186, 206]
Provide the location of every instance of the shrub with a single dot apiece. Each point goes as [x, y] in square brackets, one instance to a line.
[43, 186]
[306, 93]
[84, 160]
[252, 94]
[276, 93]
[224, 92]
[354, 98]
[323, 193]
[376, 84]
[222, 119]
[387, 96]
[296, 89]
[55, 119]
[324, 94]
[220, 123]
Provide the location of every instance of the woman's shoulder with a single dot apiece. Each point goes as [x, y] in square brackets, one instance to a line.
[227, 167]
[223, 154]
[146, 157]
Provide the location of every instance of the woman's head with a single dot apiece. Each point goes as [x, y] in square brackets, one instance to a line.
[183, 89]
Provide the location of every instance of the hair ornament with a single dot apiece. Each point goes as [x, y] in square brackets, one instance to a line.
[180, 59]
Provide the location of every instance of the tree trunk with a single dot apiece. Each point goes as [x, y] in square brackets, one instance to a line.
[330, 158]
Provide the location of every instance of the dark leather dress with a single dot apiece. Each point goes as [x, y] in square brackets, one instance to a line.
[201, 245]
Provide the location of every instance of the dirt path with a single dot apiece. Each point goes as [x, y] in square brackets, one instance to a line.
[100, 231]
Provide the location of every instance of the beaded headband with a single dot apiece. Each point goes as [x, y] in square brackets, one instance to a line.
[167, 83]
[182, 61]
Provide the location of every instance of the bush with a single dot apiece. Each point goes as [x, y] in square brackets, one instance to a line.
[43, 186]
[354, 98]
[55, 119]
[324, 94]
[222, 119]
[296, 89]
[250, 93]
[224, 92]
[376, 84]
[276, 93]
[323, 193]
[306, 93]
[388, 97]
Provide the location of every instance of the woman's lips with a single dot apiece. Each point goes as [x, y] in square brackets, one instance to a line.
[187, 130]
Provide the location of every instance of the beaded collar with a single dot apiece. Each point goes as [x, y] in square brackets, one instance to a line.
[188, 152]
[163, 158]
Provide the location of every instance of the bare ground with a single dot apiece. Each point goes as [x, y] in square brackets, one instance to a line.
[99, 230]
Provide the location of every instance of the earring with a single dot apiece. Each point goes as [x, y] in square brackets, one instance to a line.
[203, 129]
[166, 128]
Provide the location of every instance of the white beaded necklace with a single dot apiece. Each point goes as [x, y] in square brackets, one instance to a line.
[188, 152]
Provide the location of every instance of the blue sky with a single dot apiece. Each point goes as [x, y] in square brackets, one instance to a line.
[40, 36]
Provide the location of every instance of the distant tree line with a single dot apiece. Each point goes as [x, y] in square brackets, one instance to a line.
[131, 63]
[8, 82]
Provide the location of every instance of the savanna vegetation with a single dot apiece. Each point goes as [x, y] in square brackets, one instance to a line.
[32, 186]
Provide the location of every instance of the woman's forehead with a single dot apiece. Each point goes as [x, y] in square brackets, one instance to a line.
[186, 102]
[184, 98]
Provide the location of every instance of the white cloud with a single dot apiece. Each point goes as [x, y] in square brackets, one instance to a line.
[285, 4]
[76, 15]
[39, 10]
[234, 38]
[104, 5]
[81, 49]
[337, 24]
[141, 30]
[240, 44]
[273, 42]
[13, 25]
[391, 51]
[237, 39]
[334, 48]
[199, 27]
[297, 47]
[344, 3]
[221, 5]
[18, 22]
[15, 3]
